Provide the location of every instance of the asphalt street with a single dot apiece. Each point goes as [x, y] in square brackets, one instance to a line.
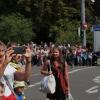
[84, 83]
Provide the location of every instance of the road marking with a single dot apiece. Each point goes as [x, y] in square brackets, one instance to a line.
[38, 74]
[97, 79]
[35, 84]
[71, 72]
[93, 89]
[76, 70]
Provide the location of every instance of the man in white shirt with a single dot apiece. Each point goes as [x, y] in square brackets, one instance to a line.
[10, 72]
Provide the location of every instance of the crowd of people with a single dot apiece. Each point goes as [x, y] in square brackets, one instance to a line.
[75, 55]
[15, 68]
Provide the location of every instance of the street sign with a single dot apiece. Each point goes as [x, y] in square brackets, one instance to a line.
[96, 37]
[96, 28]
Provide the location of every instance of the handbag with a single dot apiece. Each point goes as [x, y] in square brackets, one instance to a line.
[48, 83]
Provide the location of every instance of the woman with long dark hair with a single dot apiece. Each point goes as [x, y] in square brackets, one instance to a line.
[60, 71]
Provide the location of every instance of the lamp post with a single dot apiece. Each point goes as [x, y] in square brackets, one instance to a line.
[83, 23]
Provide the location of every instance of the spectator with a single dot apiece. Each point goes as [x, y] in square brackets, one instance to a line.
[19, 87]
[60, 72]
[10, 72]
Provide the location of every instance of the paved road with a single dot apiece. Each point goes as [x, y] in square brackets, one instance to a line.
[84, 83]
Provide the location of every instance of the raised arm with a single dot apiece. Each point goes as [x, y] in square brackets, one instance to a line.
[24, 75]
[5, 58]
[44, 68]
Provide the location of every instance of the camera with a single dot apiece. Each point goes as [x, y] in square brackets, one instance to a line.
[19, 50]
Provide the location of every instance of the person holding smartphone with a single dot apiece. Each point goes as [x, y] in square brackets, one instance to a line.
[10, 72]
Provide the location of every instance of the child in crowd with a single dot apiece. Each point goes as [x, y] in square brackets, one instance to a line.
[19, 87]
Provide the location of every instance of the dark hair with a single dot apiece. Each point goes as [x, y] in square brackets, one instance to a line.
[10, 44]
[60, 52]
[61, 59]
[2, 44]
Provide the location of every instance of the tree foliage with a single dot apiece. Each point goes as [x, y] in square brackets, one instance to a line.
[48, 20]
[15, 27]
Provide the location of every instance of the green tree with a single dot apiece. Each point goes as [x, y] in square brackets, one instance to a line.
[50, 19]
[65, 31]
[15, 27]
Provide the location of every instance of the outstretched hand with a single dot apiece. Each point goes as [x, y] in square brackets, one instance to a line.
[28, 54]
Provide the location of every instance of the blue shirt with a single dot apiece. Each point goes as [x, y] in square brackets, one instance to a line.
[19, 96]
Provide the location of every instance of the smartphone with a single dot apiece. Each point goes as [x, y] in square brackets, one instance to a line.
[19, 50]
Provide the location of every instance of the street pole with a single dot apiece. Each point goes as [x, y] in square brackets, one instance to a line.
[83, 22]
